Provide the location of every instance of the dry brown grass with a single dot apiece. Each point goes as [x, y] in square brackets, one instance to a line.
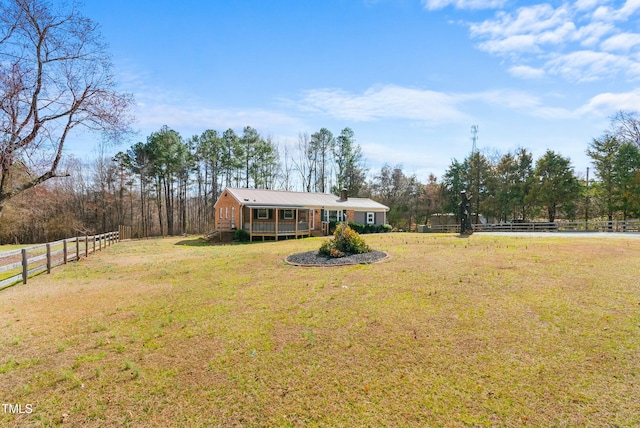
[479, 331]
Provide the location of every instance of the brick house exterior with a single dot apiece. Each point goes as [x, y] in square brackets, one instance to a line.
[275, 213]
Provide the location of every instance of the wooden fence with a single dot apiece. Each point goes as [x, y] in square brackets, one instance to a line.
[43, 257]
[560, 226]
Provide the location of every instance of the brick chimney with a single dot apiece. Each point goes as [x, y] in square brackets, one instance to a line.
[343, 194]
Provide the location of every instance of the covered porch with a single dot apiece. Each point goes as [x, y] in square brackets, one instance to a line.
[277, 222]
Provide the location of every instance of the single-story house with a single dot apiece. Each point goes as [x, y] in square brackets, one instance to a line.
[277, 213]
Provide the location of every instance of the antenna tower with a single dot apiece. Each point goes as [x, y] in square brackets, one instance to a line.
[474, 138]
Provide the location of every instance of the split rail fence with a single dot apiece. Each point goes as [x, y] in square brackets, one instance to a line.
[36, 259]
[560, 226]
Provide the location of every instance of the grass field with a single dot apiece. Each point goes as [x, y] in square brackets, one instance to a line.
[449, 331]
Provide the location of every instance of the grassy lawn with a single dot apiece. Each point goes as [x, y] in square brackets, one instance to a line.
[478, 331]
[11, 247]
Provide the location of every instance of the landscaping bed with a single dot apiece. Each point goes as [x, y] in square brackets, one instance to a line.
[313, 258]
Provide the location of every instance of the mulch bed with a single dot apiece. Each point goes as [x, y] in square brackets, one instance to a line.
[313, 258]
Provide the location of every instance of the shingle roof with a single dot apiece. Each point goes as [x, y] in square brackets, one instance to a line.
[281, 198]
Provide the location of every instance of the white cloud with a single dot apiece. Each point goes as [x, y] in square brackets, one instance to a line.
[584, 5]
[608, 103]
[592, 33]
[629, 8]
[526, 72]
[423, 106]
[463, 4]
[507, 98]
[517, 43]
[585, 66]
[523, 102]
[583, 41]
[194, 118]
[533, 20]
[621, 42]
[383, 102]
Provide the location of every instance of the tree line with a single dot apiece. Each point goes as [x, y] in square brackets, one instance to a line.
[513, 187]
[167, 185]
[184, 177]
[56, 76]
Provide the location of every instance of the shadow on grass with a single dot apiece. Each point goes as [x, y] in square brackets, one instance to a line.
[196, 242]
[199, 242]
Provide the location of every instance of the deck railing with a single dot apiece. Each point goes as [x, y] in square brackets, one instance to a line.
[283, 227]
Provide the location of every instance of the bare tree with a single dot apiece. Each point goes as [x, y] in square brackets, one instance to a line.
[55, 74]
[286, 169]
[626, 126]
[306, 162]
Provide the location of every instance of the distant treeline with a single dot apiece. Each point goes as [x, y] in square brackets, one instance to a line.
[168, 184]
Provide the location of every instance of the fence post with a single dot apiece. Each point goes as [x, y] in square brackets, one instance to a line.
[86, 245]
[25, 270]
[64, 251]
[77, 248]
[48, 258]
[94, 243]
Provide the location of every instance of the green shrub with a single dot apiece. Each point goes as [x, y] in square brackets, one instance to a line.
[370, 228]
[360, 228]
[241, 235]
[345, 241]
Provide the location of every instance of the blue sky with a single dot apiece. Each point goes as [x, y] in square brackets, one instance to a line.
[410, 77]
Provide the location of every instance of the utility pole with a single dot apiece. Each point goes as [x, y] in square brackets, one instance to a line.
[475, 158]
[586, 206]
[474, 138]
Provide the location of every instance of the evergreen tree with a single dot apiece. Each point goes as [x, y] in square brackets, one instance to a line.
[555, 185]
[626, 174]
[603, 153]
[350, 170]
[321, 146]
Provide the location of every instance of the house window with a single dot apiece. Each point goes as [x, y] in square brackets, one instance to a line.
[287, 214]
[221, 212]
[226, 212]
[335, 215]
[263, 214]
[371, 218]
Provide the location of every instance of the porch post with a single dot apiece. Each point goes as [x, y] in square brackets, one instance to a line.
[250, 224]
[277, 216]
[296, 221]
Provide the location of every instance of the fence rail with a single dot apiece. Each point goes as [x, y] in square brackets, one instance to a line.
[43, 257]
[560, 226]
